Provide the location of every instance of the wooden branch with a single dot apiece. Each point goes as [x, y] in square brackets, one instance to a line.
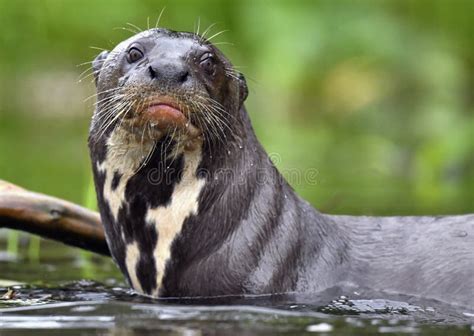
[51, 218]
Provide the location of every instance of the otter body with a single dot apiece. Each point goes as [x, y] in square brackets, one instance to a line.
[193, 206]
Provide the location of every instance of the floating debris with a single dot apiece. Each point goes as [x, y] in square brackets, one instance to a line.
[9, 295]
[321, 327]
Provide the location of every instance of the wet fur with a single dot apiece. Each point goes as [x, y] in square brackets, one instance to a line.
[252, 237]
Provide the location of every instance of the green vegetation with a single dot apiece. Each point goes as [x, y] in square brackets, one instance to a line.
[376, 95]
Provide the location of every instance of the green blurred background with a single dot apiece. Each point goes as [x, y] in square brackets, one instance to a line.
[376, 95]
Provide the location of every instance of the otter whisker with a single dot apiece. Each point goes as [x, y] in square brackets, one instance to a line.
[221, 136]
[123, 109]
[108, 103]
[108, 100]
[108, 118]
[127, 29]
[220, 120]
[218, 113]
[232, 71]
[147, 158]
[109, 109]
[134, 26]
[80, 80]
[143, 132]
[217, 109]
[220, 108]
[84, 72]
[238, 73]
[208, 137]
[149, 129]
[202, 126]
[174, 153]
[172, 137]
[196, 31]
[216, 121]
[108, 112]
[97, 48]
[159, 17]
[164, 148]
[113, 92]
[212, 122]
[84, 63]
[217, 34]
[142, 139]
[223, 43]
[222, 113]
[232, 75]
[150, 152]
[208, 29]
[237, 67]
[125, 115]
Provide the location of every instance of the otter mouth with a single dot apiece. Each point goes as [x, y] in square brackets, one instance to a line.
[164, 112]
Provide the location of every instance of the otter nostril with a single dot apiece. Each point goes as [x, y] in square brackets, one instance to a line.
[183, 77]
[169, 73]
[152, 72]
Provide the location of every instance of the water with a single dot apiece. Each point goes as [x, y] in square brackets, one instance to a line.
[54, 301]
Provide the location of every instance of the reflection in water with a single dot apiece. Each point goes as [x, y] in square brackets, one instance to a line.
[74, 307]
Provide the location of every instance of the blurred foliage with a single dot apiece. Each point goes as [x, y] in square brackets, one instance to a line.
[376, 95]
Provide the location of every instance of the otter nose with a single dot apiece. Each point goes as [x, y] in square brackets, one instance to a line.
[172, 73]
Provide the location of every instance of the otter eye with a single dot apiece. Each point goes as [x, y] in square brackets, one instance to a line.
[208, 63]
[134, 55]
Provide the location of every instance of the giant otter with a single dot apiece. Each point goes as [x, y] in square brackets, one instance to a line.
[193, 206]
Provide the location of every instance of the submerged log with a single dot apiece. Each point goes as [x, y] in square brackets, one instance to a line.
[51, 218]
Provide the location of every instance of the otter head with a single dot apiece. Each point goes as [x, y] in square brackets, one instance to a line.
[162, 82]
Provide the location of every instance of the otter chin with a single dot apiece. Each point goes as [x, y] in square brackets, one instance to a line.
[192, 205]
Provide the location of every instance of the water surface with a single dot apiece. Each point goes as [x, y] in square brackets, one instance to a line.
[54, 299]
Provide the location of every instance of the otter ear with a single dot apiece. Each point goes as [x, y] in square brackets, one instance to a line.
[97, 64]
[243, 89]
